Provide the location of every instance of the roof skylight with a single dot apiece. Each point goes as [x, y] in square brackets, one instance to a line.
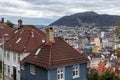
[32, 33]
[18, 40]
[16, 31]
[38, 50]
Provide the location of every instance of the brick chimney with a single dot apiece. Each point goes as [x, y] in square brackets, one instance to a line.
[49, 36]
[19, 23]
[2, 20]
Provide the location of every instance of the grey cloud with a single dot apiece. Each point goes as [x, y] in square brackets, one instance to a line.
[54, 9]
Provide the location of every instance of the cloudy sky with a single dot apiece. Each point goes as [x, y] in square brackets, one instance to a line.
[44, 12]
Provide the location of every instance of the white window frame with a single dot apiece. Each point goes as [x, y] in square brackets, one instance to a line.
[22, 67]
[32, 69]
[18, 57]
[8, 55]
[14, 56]
[4, 67]
[8, 68]
[5, 51]
[76, 71]
[61, 73]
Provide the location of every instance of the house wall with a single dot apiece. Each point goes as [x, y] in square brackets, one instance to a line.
[1, 52]
[12, 63]
[94, 62]
[52, 73]
[41, 73]
[107, 43]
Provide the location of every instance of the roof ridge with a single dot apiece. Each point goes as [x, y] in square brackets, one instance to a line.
[27, 42]
[49, 64]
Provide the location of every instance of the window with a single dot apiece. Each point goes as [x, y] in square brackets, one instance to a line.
[75, 71]
[14, 56]
[60, 74]
[4, 67]
[22, 67]
[8, 56]
[5, 53]
[32, 69]
[18, 57]
[8, 69]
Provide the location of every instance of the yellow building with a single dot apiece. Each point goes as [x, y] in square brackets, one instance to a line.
[96, 43]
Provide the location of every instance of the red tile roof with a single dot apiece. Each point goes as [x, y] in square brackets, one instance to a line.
[25, 39]
[102, 69]
[5, 29]
[118, 70]
[55, 55]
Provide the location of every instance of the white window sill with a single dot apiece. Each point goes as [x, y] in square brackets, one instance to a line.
[32, 73]
[75, 77]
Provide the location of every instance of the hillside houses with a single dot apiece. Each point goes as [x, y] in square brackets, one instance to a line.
[27, 41]
[23, 40]
[4, 30]
[93, 41]
[54, 60]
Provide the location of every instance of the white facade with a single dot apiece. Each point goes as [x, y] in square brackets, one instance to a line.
[12, 63]
[116, 46]
[95, 61]
[102, 34]
[106, 43]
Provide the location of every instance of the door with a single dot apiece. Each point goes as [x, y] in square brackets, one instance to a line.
[14, 73]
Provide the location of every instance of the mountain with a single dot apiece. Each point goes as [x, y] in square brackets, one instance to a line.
[87, 18]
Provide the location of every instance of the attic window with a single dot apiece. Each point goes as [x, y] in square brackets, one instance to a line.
[32, 33]
[18, 40]
[38, 50]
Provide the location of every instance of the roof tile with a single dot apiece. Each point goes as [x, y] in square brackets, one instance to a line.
[55, 55]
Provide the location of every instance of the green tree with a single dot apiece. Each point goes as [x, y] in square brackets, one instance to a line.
[93, 76]
[108, 75]
[10, 24]
[117, 33]
[118, 52]
[117, 30]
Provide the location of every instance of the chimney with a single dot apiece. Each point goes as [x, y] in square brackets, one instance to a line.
[19, 23]
[2, 20]
[50, 35]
